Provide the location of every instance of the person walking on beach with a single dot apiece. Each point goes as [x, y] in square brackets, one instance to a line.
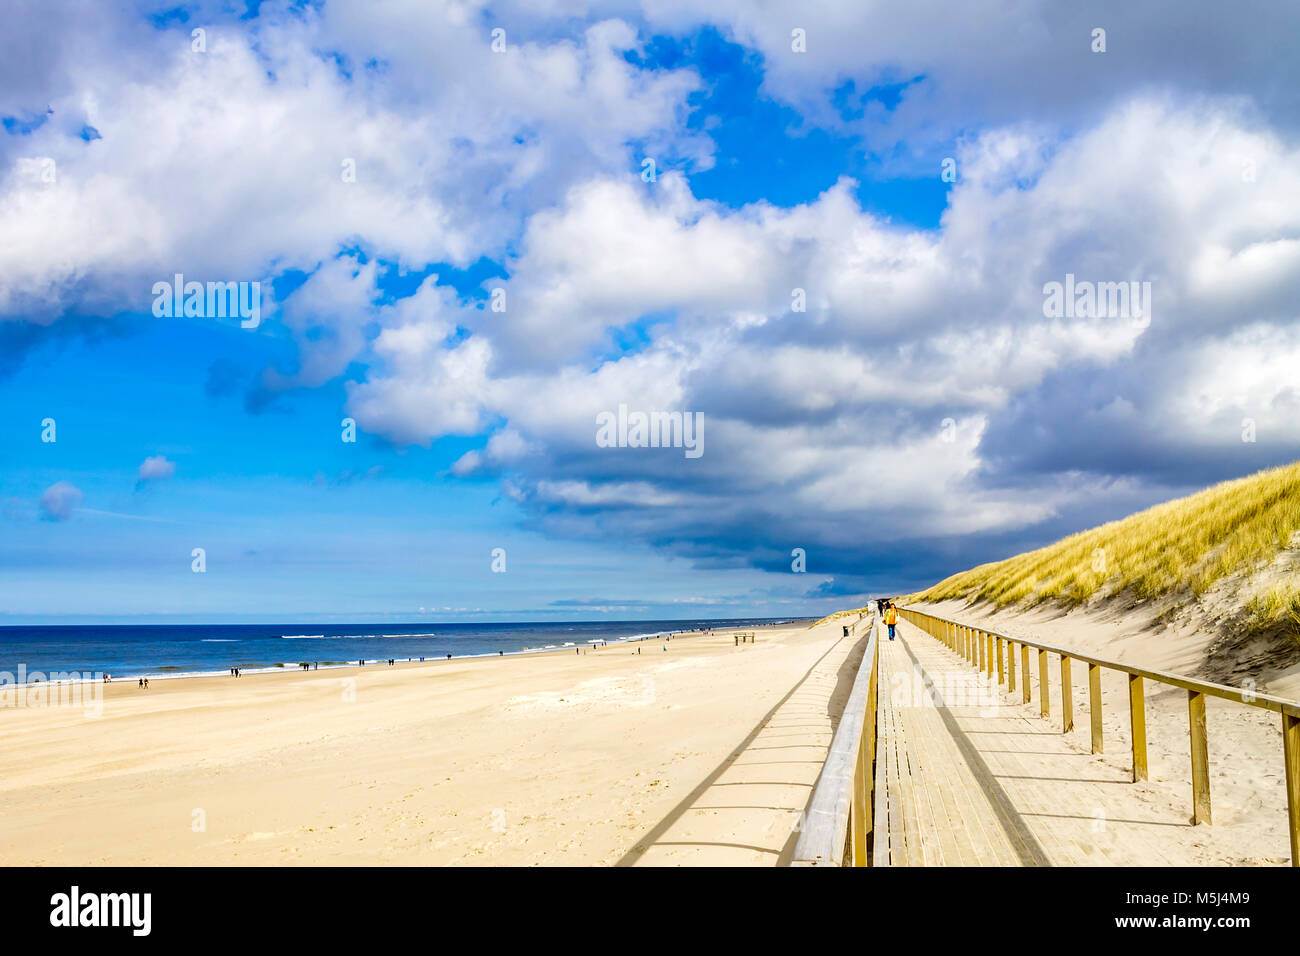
[891, 619]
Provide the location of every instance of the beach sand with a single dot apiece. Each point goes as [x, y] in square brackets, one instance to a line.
[608, 757]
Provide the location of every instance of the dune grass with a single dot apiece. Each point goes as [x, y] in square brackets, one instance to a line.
[1182, 547]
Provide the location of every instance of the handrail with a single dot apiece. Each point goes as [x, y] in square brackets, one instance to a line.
[839, 815]
[982, 647]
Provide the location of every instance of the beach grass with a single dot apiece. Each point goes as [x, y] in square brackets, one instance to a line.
[1181, 548]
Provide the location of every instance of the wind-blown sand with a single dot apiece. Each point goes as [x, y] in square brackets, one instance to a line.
[603, 758]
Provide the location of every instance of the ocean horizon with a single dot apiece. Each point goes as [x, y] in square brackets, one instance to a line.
[194, 650]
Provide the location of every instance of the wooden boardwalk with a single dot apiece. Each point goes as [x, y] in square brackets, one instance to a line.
[973, 776]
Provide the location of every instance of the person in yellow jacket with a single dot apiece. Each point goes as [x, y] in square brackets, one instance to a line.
[891, 619]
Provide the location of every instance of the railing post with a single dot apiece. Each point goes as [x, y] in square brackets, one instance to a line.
[988, 655]
[1200, 757]
[1137, 716]
[1011, 666]
[1067, 696]
[979, 641]
[1024, 673]
[1094, 704]
[1044, 705]
[1291, 751]
[1001, 672]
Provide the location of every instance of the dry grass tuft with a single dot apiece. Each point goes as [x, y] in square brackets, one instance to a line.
[1181, 547]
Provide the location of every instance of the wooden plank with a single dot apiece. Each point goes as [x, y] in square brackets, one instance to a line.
[1291, 754]
[913, 844]
[897, 823]
[1044, 702]
[858, 820]
[928, 834]
[1094, 705]
[1200, 758]
[880, 826]
[939, 772]
[1026, 693]
[1067, 696]
[1137, 715]
[974, 811]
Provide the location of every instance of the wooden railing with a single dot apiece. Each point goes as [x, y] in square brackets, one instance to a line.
[983, 649]
[835, 829]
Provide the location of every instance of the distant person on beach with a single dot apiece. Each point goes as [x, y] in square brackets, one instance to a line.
[891, 619]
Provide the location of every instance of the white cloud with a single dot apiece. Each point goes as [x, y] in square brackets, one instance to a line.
[156, 467]
[828, 421]
[59, 501]
[229, 164]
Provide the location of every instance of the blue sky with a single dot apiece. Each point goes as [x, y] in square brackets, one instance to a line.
[919, 412]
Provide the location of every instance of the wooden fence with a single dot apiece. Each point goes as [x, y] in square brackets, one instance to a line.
[984, 649]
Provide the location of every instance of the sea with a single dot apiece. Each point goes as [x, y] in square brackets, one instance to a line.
[191, 650]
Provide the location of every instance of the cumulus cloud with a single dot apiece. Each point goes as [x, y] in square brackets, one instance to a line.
[924, 376]
[156, 468]
[911, 76]
[59, 501]
[259, 154]
[873, 392]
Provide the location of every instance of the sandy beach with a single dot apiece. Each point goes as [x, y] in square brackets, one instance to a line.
[703, 753]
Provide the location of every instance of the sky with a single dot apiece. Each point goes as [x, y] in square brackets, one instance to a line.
[825, 232]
